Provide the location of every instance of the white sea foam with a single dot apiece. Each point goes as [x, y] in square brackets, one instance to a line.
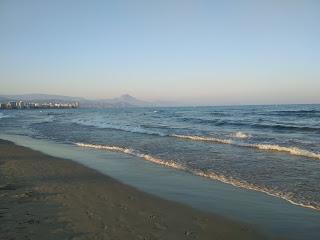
[253, 187]
[210, 175]
[291, 150]
[136, 153]
[3, 115]
[201, 138]
[240, 135]
[266, 147]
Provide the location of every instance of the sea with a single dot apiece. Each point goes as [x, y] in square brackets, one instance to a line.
[271, 149]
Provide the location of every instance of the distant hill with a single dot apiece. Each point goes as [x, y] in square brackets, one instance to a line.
[125, 100]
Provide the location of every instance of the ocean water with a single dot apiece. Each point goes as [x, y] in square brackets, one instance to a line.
[270, 149]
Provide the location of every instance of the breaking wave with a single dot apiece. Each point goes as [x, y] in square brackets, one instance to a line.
[236, 135]
[267, 147]
[240, 135]
[133, 152]
[211, 175]
[291, 150]
[201, 138]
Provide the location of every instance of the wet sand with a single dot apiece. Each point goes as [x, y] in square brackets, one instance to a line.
[43, 197]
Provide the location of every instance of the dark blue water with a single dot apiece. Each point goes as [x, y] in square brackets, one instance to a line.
[271, 149]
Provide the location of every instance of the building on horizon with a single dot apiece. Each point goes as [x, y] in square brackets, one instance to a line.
[35, 105]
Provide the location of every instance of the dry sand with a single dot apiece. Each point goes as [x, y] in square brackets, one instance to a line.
[43, 197]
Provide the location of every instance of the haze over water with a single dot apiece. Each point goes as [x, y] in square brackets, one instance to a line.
[190, 52]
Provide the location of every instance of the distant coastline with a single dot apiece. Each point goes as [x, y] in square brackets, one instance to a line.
[124, 100]
[14, 105]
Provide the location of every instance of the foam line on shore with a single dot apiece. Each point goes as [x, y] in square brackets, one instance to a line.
[136, 153]
[210, 175]
[249, 186]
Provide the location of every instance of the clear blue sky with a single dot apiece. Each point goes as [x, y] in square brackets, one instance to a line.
[201, 52]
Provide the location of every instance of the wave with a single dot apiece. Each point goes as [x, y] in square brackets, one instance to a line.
[291, 150]
[133, 152]
[241, 135]
[291, 113]
[220, 114]
[275, 126]
[267, 147]
[200, 138]
[3, 115]
[202, 120]
[297, 111]
[57, 114]
[285, 127]
[45, 120]
[132, 129]
[253, 187]
[211, 175]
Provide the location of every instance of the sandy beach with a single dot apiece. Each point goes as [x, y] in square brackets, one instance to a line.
[44, 197]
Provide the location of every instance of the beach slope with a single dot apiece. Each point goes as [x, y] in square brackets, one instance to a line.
[43, 197]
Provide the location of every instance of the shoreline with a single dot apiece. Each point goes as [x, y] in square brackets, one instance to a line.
[60, 198]
[198, 172]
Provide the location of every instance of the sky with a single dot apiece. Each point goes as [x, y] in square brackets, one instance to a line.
[193, 52]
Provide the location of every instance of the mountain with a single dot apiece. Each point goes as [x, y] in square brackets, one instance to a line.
[127, 99]
[123, 101]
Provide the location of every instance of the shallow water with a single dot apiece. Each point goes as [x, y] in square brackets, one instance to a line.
[273, 216]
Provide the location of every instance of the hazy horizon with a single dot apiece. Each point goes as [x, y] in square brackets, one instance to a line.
[191, 52]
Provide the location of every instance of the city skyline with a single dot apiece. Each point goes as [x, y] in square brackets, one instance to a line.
[191, 52]
[19, 104]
